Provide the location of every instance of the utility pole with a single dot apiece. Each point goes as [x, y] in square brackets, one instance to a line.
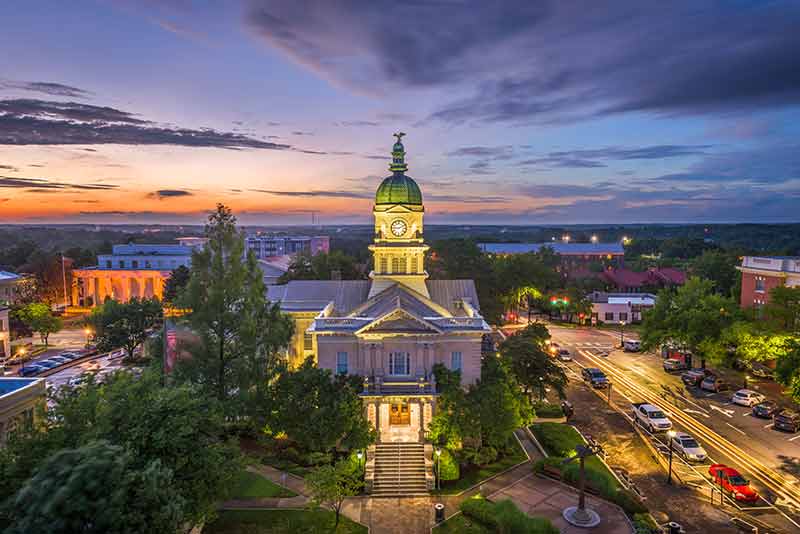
[64, 280]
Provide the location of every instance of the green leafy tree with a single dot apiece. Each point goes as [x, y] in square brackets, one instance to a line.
[783, 310]
[720, 268]
[323, 266]
[694, 317]
[176, 426]
[787, 369]
[330, 485]
[50, 275]
[239, 334]
[528, 357]
[320, 412]
[96, 489]
[38, 317]
[176, 283]
[124, 324]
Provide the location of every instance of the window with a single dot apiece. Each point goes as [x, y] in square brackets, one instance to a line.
[414, 265]
[147, 264]
[308, 342]
[341, 363]
[121, 264]
[623, 316]
[398, 265]
[760, 284]
[399, 363]
[383, 265]
[108, 264]
[135, 264]
[455, 361]
[609, 316]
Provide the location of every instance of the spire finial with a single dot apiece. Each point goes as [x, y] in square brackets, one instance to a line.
[398, 164]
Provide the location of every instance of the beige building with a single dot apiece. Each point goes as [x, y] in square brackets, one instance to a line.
[20, 398]
[392, 329]
[5, 334]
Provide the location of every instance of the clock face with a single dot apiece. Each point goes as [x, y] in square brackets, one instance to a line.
[399, 227]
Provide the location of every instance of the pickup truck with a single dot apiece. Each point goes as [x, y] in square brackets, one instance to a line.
[651, 417]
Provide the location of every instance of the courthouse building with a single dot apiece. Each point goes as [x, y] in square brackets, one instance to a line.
[761, 274]
[393, 328]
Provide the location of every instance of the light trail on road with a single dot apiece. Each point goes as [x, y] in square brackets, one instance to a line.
[770, 478]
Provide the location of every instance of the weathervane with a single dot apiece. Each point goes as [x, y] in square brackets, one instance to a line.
[399, 136]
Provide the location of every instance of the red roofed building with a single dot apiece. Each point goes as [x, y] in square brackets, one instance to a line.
[632, 281]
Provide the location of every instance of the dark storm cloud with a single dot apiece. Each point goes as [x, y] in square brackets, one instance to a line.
[552, 60]
[49, 88]
[169, 193]
[39, 122]
[45, 184]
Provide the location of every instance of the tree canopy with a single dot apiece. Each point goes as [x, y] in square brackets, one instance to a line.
[239, 334]
[38, 317]
[323, 266]
[528, 357]
[320, 412]
[124, 324]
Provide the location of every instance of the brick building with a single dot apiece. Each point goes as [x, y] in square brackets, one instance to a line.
[761, 274]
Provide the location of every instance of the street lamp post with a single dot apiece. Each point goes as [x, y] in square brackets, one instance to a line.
[438, 467]
[670, 435]
[359, 455]
[541, 389]
[87, 332]
[621, 333]
[581, 515]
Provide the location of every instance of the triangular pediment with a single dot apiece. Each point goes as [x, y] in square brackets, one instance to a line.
[400, 296]
[399, 321]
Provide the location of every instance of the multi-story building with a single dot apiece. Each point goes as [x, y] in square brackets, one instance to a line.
[393, 328]
[20, 401]
[267, 246]
[761, 274]
[132, 270]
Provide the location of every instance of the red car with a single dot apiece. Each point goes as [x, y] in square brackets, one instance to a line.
[732, 482]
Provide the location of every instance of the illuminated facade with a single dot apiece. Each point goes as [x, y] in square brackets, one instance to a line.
[393, 328]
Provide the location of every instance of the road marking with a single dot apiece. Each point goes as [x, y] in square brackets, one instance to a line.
[728, 413]
[736, 429]
[689, 410]
[746, 414]
[794, 438]
[768, 425]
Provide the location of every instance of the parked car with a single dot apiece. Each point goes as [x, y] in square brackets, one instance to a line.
[47, 364]
[595, 377]
[788, 420]
[688, 447]
[672, 364]
[715, 384]
[694, 377]
[564, 355]
[77, 380]
[732, 482]
[766, 409]
[747, 397]
[31, 370]
[761, 371]
[59, 359]
[651, 417]
[631, 345]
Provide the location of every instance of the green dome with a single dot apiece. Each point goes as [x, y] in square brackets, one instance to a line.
[398, 189]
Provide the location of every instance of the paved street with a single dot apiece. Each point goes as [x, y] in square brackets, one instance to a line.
[730, 434]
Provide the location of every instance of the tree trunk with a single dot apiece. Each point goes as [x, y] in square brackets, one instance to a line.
[336, 523]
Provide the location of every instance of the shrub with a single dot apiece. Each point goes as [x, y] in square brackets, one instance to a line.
[486, 455]
[448, 466]
[480, 510]
[318, 458]
[505, 518]
[551, 461]
[291, 454]
[556, 438]
[629, 502]
[644, 524]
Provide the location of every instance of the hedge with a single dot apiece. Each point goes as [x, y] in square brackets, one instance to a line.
[548, 410]
[504, 517]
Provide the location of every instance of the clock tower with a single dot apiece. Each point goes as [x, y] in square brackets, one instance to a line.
[398, 248]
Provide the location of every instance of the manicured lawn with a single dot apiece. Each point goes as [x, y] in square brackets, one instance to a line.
[254, 486]
[459, 524]
[281, 522]
[548, 410]
[559, 440]
[470, 477]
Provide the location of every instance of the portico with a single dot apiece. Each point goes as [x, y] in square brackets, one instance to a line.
[91, 287]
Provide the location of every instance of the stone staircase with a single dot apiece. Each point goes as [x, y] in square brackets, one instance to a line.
[400, 470]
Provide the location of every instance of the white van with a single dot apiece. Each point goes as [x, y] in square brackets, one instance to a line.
[631, 345]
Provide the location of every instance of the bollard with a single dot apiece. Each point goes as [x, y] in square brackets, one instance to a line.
[439, 508]
[674, 528]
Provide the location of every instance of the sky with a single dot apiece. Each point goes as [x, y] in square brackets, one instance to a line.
[515, 112]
